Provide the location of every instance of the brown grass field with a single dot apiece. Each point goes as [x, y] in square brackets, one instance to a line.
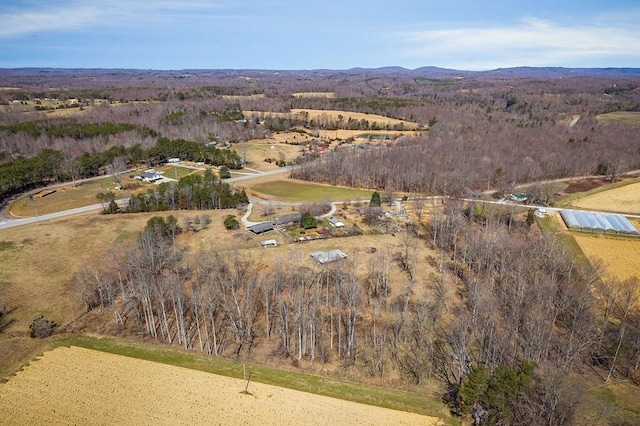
[30, 105]
[257, 150]
[314, 95]
[628, 117]
[82, 386]
[314, 114]
[623, 199]
[620, 257]
[243, 97]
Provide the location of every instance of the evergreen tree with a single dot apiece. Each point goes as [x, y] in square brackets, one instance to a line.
[375, 200]
[307, 221]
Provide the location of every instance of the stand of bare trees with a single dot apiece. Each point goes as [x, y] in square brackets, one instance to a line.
[519, 298]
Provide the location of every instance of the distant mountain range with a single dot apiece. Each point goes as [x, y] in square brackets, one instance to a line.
[515, 72]
[512, 72]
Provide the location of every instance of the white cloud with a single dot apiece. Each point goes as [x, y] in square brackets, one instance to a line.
[17, 22]
[532, 42]
[31, 18]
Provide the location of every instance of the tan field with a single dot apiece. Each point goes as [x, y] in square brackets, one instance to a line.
[257, 150]
[620, 257]
[624, 199]
[628, 117]
[380, 119]
[81, 386]
[315, 114]
[243, 97]
[314, 95]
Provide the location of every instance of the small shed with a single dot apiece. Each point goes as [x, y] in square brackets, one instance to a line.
[269, 243]
[336, 222]
[323, 257]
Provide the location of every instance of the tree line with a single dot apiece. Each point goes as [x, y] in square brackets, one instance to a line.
[73, 129]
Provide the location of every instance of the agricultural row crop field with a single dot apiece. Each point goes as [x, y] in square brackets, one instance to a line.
[72, 385]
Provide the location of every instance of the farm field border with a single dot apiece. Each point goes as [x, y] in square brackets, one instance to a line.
[425, 405]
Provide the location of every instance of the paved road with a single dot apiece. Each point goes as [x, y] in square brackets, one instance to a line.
[9, 222]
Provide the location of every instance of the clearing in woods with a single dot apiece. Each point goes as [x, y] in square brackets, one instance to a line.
[628, 117]
[72, 385]
[315, 114]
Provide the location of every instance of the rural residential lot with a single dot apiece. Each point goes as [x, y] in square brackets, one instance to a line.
[179, 283]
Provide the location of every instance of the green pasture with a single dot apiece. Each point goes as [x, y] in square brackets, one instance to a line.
[288, 190]
[176, 172]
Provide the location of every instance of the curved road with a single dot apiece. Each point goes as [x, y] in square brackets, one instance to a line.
[9, 222]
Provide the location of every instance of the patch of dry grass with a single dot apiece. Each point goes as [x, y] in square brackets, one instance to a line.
[39, 268]
[256, 151]
[70, 197]
[327, 95]
[628, 117]
[620, 257]
[622, 199]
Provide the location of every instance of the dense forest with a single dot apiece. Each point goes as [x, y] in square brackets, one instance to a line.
[507, 319]
[486, 130]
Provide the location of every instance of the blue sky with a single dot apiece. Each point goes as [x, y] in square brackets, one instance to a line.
[287, 34]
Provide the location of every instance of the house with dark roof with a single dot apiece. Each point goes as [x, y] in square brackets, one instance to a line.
[260, 228]
[370, 211]
[289, 218]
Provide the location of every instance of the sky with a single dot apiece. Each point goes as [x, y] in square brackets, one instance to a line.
[324, 34]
